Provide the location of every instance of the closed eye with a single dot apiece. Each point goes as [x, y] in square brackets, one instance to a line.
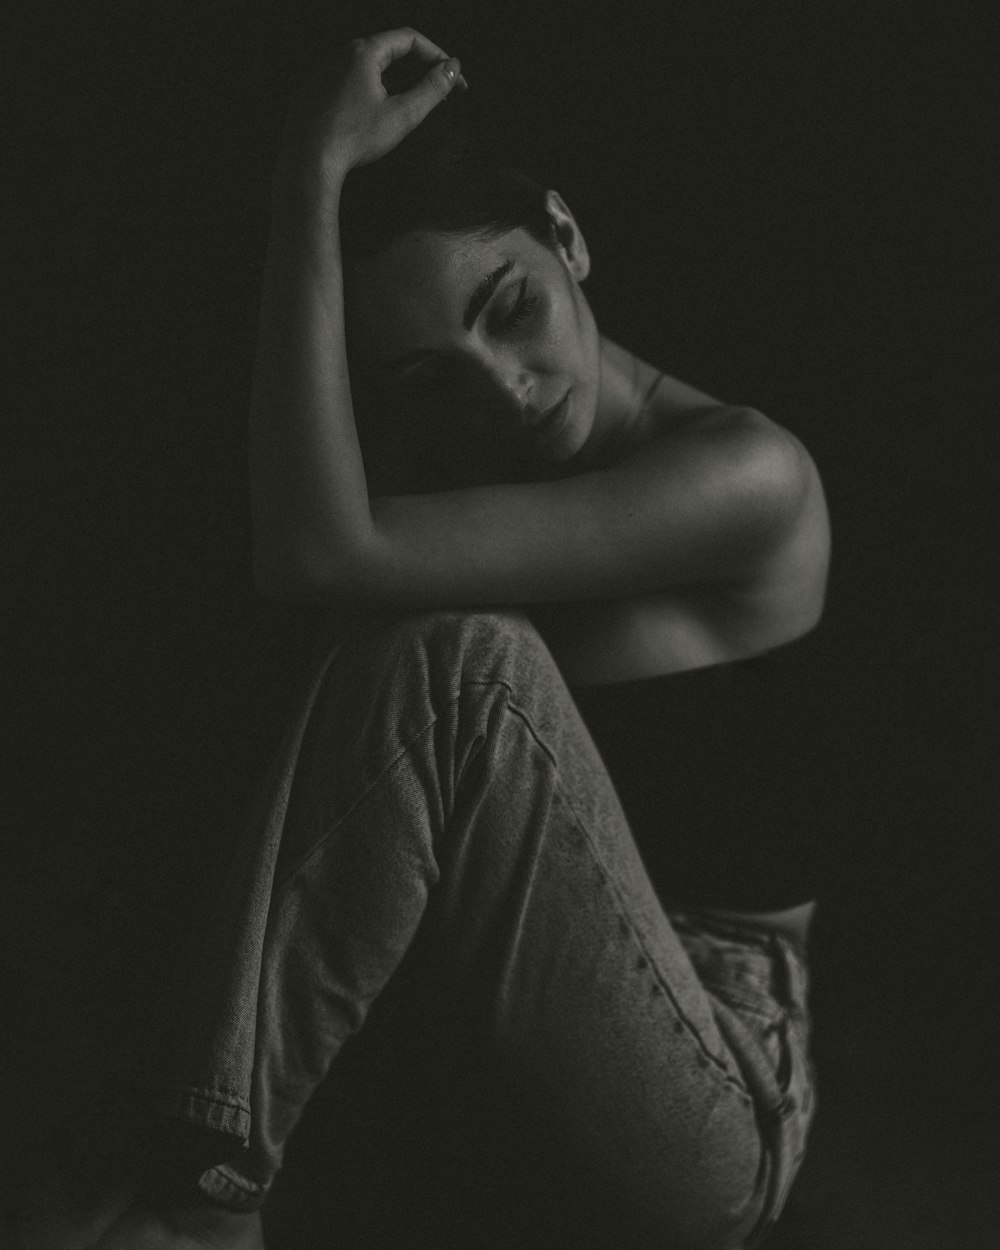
[429, 375]
[522, 309]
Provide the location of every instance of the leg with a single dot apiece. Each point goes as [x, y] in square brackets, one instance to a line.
[446, 774]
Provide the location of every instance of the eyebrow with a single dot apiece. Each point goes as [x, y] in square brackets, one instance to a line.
[478, 301]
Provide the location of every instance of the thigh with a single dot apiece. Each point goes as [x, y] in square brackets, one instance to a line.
[604, 1031]
[447, 785]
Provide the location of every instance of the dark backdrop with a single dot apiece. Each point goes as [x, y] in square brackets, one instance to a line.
[787, 204]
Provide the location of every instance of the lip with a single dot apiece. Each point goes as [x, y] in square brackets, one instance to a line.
[551, 422]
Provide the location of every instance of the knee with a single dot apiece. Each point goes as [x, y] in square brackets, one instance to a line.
[409, 671]
[487, 644]
[473, 628]
[502, 648]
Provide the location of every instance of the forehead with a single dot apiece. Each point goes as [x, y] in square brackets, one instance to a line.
[415, 292]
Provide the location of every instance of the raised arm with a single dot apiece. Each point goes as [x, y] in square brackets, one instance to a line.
[701, 503]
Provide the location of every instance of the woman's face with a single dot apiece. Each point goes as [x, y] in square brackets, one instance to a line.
[496, 332]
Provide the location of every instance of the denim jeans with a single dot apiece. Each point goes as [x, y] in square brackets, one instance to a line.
[440, 779]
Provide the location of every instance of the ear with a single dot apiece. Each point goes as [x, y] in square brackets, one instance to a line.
[567, 236]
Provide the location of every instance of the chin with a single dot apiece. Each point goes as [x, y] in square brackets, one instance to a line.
[576, 442]
[569, 457]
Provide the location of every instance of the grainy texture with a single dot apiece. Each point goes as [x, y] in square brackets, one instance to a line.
[808, 199]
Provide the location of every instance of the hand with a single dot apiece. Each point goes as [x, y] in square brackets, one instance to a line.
[345, 115]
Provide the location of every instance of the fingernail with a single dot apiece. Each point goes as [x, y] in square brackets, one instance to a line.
[451, 68]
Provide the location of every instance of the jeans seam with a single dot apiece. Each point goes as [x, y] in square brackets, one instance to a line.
[291, 871]
[717, 1066]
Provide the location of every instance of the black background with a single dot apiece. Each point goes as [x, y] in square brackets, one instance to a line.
[789, 205]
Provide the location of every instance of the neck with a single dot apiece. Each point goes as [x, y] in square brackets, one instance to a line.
[625, 381]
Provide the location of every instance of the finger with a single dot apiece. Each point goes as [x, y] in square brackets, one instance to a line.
[393, 44]
[415, 104]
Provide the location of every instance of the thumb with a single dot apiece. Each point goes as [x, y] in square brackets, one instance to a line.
[437, 83]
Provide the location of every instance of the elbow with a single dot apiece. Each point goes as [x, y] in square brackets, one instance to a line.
[301, 571]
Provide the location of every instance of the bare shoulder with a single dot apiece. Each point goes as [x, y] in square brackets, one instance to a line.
[777, 600]
[783, 597]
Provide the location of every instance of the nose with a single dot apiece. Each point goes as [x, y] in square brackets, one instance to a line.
[511, 387]
[501, 384]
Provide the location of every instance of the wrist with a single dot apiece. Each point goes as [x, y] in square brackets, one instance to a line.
[312, 189]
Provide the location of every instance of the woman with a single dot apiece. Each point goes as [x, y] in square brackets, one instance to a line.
[439, 807]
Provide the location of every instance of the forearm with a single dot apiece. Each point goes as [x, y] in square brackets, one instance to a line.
[698, 503]
[306, 471]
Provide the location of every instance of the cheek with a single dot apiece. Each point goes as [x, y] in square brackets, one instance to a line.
[573, 346]
[561, 330]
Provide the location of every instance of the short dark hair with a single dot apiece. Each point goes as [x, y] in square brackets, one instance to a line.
[447, 176]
